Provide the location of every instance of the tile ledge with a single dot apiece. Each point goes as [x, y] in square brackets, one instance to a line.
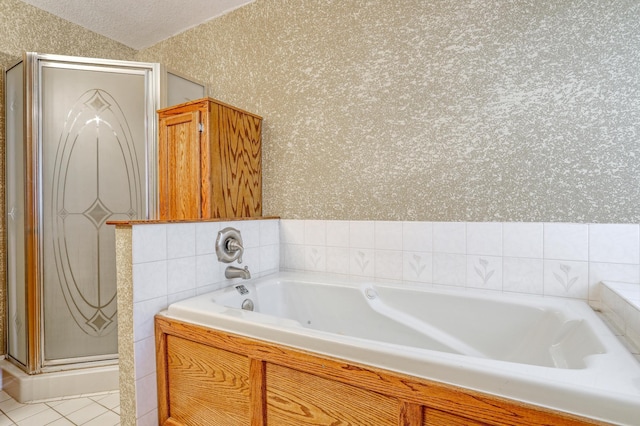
[630, 292]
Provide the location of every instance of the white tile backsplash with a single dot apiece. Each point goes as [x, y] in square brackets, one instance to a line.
[417, 236]
[150, 280]
[566, 278]
[484, 238]
[554, 259]
[149, 243]
[614, 243]
[362, 262]
[450, 237]
[181, 240]
[315, 233]
[388, 264]
[566, 241]
[484, 272]
[181, 274]
[172, 262]
[175, 261]
[206, 233]
[361, 234]
[388, 235]
[417, 266]
[337, 233]
[450, 269]
[523, 275]
[522, 240]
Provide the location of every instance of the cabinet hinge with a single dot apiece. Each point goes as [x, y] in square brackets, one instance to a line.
[200, 127]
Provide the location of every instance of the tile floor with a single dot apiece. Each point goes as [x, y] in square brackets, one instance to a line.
[91, 410]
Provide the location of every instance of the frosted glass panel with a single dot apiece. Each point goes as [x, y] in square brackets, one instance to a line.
[16, 303]
[93, 167]
[180, 90]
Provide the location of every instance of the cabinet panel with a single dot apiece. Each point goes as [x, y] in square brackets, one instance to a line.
[179, 166]
[210, 161]
[207, 386]
[236, 158]
[296, 398]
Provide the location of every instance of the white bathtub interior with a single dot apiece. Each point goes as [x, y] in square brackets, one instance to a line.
[548, 351]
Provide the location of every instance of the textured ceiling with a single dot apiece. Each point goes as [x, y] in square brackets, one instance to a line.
[140, 23]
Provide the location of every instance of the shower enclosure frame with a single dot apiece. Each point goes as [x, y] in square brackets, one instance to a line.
[33, 201]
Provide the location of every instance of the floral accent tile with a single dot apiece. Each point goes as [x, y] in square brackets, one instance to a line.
[316, 258]
[566, 279]
[484, 272]
[418, 267]
[362, 262]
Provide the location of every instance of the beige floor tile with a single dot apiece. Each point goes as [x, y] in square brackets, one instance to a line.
[87, 413]
[9, 405]
[68, 406]
[107, 419]
[61, 422]
[26, 410]
[5, 421]
[110, 401]
[41, 418]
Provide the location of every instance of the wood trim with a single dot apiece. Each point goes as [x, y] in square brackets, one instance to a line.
[410, 391]
[258, 392]
[161, 375]
[203, 101]
[410, 414]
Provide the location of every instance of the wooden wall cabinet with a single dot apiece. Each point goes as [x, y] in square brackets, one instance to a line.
[209, 161]
[209, 377]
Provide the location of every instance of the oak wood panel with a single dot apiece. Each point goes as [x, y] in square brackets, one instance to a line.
[482, 408]
[219, 170]
[236, 158]
[440, 418]
[410, 414]
[179, 166]
[207, 386]
[296, 398]
[258, 395]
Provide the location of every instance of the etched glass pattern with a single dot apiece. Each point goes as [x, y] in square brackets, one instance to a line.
[93, 153]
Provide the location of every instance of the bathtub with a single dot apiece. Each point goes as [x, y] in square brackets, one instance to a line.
[550, 352]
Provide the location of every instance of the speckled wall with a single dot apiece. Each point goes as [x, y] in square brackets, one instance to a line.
[477, 110]
[25, 28]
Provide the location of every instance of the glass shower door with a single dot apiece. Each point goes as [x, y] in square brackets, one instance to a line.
[93, 156]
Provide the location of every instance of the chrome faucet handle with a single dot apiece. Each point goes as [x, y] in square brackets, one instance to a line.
[229, 245]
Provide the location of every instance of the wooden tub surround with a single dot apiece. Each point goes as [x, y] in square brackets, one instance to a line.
[212, 377]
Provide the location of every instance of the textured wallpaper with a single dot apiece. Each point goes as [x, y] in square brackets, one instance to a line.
[26, 28]
[476, 110]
